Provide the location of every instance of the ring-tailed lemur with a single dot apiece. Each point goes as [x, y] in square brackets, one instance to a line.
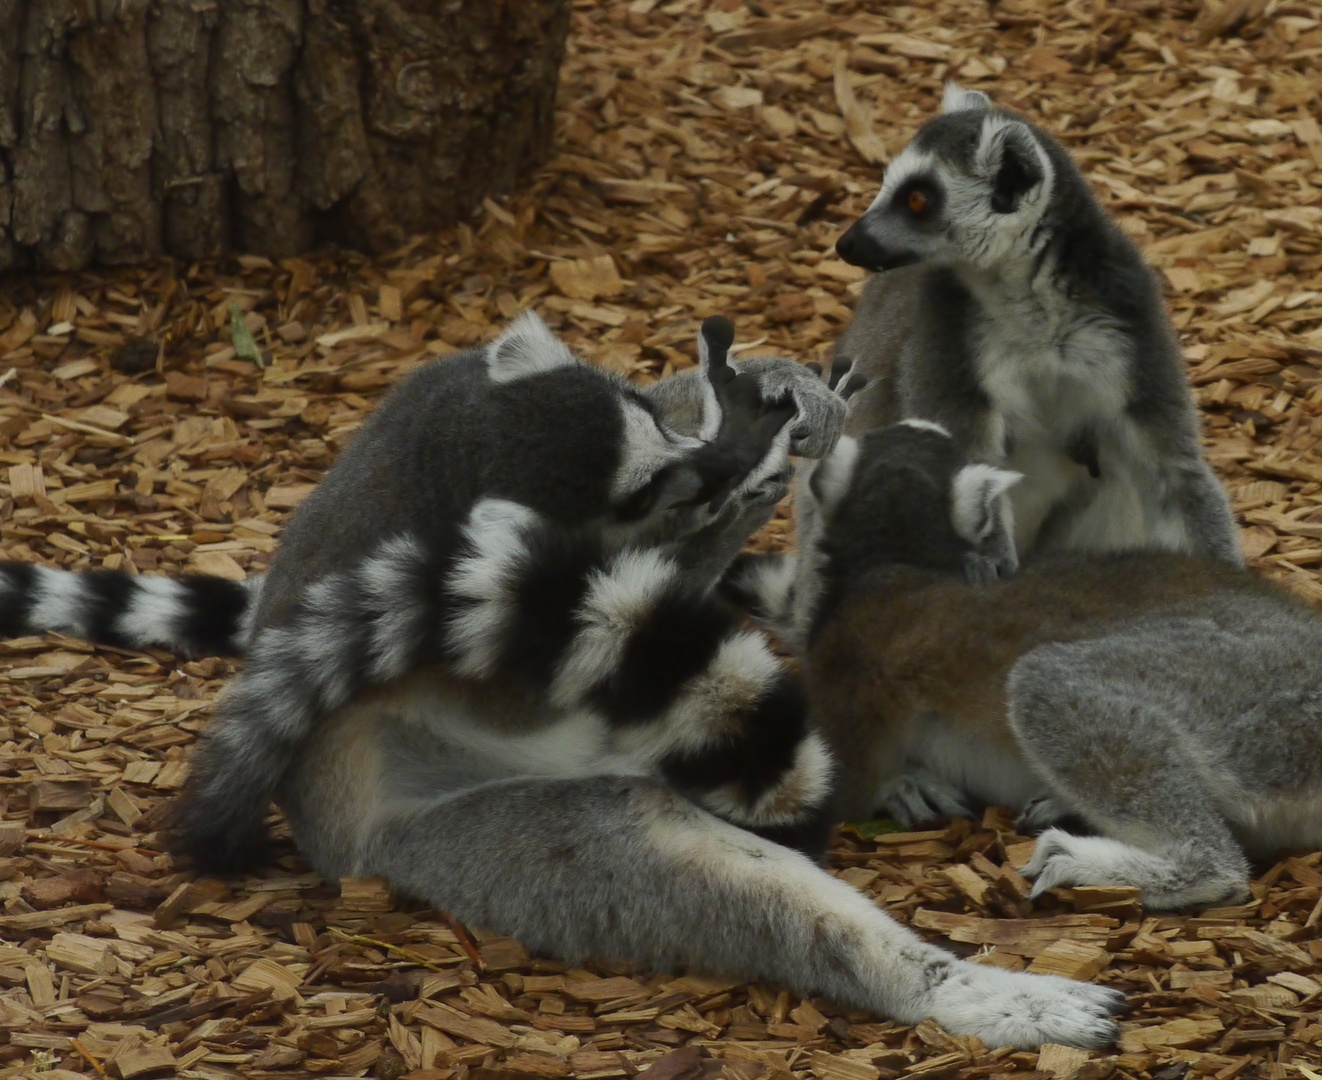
[1171, 702]
[1031, 327]
[489, 665]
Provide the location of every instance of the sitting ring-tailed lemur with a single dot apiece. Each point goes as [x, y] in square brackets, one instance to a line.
[1171, 702]
[1015, 312]
[489, 665]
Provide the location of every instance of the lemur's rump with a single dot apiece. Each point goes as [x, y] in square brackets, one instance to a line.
[490, 664]
[1172, 703]
[1009, 307]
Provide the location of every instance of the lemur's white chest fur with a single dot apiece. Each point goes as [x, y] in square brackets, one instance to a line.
[1055, 373]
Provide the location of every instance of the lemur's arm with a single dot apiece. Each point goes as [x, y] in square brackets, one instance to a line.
[820, 418]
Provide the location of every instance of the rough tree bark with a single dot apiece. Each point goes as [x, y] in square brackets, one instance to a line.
[132, 128]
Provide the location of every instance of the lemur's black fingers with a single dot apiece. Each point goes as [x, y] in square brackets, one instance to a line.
[853, 385]
[840, 367]
[814, 367]
[716, 337]
[718, 333]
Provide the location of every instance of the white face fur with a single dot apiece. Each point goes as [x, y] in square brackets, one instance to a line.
[941, 202]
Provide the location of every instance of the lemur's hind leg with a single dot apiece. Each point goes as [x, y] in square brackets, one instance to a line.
[1111, 754]
[624, 867]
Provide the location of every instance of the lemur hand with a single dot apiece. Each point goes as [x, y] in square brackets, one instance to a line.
[820, 413]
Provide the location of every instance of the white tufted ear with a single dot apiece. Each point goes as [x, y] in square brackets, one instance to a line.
[957, 99]
[527, 347]
[973, 496]
[1014, 163]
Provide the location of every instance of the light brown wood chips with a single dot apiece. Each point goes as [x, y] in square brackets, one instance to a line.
[710, 153]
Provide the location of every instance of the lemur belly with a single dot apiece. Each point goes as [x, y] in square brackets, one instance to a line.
[1051, 403]
[990, 769]
[426, 736]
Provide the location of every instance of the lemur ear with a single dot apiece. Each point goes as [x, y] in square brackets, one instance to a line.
[973, 496]
[715, 337]
[527, 347]
[1008, 155]
[957, 99]
[830, 478]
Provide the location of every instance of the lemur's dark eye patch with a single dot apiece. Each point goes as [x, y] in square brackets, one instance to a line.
[918, 198]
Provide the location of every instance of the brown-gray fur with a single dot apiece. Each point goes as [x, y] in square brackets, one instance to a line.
[1173, 703]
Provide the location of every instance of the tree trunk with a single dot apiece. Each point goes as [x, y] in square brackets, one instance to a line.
[135, 128]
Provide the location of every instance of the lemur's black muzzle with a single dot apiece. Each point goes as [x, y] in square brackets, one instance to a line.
[859, 247]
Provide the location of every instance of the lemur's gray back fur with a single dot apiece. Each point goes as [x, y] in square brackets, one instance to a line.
[1172, 703]
[1014, 311]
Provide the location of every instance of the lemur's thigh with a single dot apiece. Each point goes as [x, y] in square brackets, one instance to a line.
[624, 867]
[1110, 747]
[1204, 508]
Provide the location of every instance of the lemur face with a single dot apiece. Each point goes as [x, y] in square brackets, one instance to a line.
[970, 188]
[611, 461]
[904, 495]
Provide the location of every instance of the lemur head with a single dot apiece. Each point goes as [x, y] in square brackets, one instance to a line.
[970, 188]
[611, 462]
[905, 495]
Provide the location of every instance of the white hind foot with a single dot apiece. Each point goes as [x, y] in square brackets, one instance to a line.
[1006, 1008]
[1182, 877]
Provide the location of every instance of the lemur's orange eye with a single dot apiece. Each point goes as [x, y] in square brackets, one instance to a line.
[917, 201]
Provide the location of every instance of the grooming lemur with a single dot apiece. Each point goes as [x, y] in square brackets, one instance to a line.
[1172, 702]
[1015, 312]
[489, 665]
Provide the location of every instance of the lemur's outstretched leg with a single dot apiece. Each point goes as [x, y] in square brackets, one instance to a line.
[1111, 755]
[624, 867]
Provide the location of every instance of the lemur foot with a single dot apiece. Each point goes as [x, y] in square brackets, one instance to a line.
[916, 797]
[1040, 815]
[1182, 879]
[1006, 1008]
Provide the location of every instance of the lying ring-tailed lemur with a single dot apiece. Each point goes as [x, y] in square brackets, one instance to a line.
[1033, 330]
[1171, 702]
[488, 665]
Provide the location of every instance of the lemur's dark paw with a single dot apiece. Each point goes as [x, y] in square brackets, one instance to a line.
[820, 413]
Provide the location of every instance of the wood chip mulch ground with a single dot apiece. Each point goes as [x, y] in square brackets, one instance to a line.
[709, 155]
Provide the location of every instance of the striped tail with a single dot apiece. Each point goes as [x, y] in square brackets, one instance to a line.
[194, 615]
[685, 691]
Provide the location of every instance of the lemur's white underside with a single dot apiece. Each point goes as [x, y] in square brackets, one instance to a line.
[1050, 376]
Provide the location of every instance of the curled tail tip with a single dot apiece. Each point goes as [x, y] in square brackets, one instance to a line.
[218, 820]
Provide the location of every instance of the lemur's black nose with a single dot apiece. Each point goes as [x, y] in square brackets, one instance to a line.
[858, 248]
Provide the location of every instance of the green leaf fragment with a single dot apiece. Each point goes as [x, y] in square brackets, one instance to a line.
[245, 345]
[870, 830]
